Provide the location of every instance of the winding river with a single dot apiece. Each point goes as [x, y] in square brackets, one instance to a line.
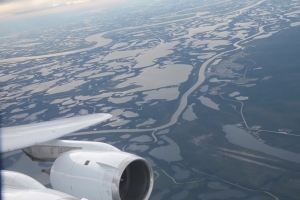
[184, 99]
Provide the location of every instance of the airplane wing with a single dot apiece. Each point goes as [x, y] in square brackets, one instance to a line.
[18, 137]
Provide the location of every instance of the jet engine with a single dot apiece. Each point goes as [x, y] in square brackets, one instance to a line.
[102, 175]
[94, 170]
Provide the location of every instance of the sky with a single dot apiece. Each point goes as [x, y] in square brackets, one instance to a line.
[16, 9]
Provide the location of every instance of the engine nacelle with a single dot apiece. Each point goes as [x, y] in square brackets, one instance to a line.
[93, 175]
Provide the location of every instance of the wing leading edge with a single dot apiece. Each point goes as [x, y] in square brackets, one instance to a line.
[18, 137]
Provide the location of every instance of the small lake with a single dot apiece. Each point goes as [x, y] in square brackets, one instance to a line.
[241, 138]
[209, 103]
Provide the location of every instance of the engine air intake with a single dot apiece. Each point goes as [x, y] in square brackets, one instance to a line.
[135, 181]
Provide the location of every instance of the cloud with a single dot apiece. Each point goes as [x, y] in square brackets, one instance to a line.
[12, 9]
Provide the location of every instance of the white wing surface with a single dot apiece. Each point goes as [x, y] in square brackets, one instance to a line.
[18, 137]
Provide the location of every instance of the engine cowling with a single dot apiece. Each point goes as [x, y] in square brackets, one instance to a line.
[102, 175]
